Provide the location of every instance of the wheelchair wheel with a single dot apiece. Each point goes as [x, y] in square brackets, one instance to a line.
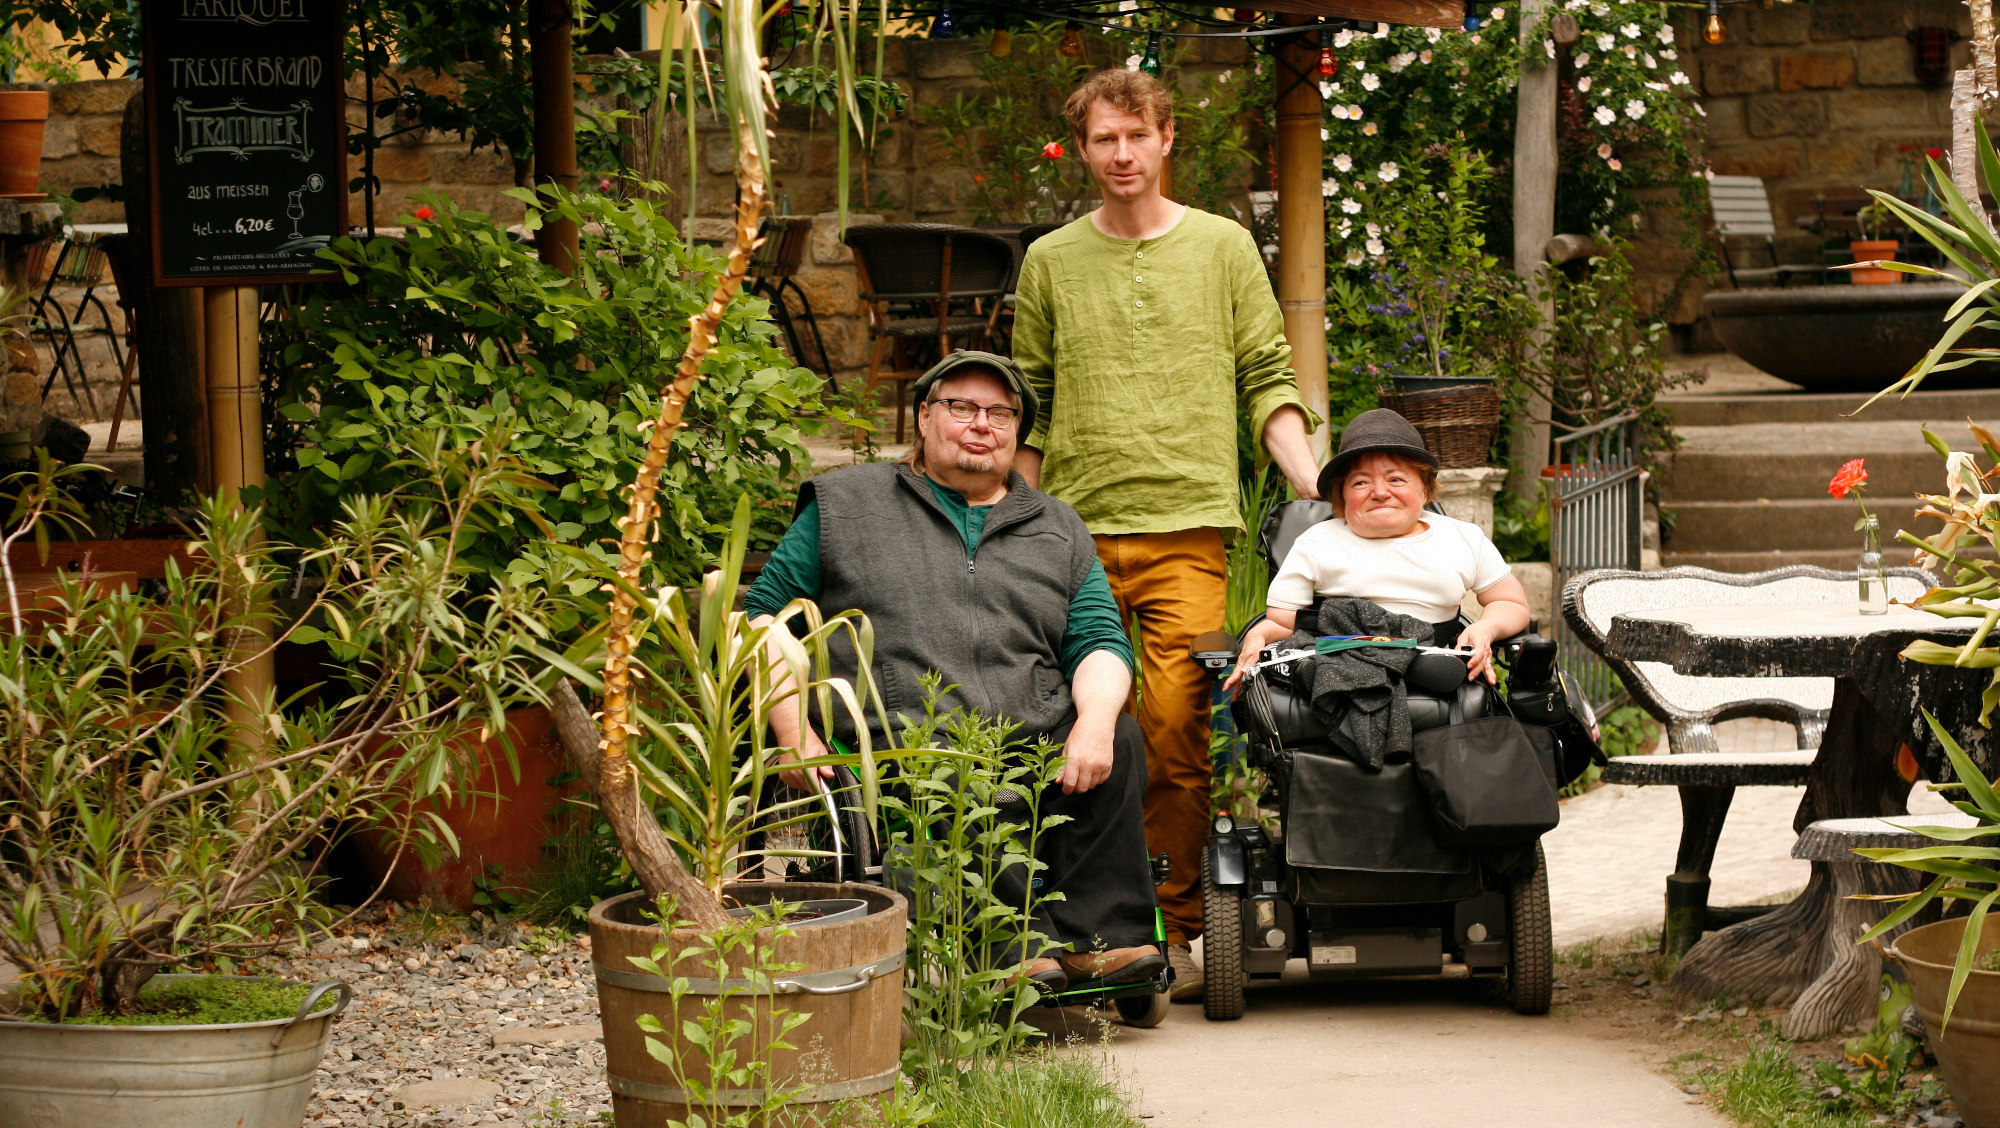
[1221, 949]
[1142, 1011]
[843, 834]
[1531, 956]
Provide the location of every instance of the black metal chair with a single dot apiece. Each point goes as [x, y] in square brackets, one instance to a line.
[772, 268]
[929, 287]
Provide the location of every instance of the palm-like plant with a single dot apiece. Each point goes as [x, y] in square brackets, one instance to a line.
[1964, 235]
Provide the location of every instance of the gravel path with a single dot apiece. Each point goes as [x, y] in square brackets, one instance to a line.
[445, 1033]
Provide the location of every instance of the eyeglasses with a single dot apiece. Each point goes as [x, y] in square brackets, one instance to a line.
[1000, 417]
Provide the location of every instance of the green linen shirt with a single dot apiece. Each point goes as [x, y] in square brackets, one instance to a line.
[1144, 353]
[793, 573]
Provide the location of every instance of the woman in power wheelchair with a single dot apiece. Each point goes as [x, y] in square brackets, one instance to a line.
[1408, 788]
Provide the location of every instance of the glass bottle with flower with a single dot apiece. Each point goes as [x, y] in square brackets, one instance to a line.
[1873, 578]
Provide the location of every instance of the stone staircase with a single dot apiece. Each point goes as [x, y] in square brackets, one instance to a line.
[1747, 489]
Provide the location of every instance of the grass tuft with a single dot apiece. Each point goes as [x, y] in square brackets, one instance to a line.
[1074, 1090]
[1769, 1089]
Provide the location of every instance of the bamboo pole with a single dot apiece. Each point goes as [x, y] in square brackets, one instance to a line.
[1534, 226]
[1302, 220]
[236, 430]
[554, 79]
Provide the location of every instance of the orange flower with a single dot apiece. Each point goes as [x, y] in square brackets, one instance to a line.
[1851, 476]
[1053, 150]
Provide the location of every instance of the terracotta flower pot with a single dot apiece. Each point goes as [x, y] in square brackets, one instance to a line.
[504, 825]
[1873, 250]
[1968, 1048]
[23, 114]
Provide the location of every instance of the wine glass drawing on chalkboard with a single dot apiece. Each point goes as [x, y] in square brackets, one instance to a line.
[295, 208]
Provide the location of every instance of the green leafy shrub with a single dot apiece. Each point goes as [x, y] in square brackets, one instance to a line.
[458, 327]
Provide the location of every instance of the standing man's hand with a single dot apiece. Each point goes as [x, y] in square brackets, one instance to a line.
[1087, 753]
[1285, 437]
[809, 747]
[1028, 463]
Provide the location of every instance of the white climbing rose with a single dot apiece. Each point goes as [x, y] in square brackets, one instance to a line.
[1368, 130]
[1388, 171]
[1666, 35]
[1373, 229]
[1606, 41]
[1329, 187]
[1343, 162]
[1375, 247]
[1354, 258]
[1583, 85]
[1371, 82]
[1343, 37]
[1649, 61]
[1425, 56]
[1605, 115]
[1604, 151]
[1635, 109]
[1351, 206]
[1678, 79]
[1630, 31]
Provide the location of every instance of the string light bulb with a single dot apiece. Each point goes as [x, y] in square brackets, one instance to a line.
[1327, 63]
[944, 27]
[1471, 22]
[1071, 46]
[1151, 63]
[1245, 15]
[1001, 47]
[1712, 30]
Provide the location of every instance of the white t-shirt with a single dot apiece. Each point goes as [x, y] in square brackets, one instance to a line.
[1424, 574]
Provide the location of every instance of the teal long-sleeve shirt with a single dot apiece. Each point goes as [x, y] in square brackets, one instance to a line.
[793, 573]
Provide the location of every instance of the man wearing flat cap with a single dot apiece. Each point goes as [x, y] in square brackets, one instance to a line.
[965, 569]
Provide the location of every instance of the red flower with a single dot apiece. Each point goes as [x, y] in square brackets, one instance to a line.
[1934, 153]
[1902, 148]
[1053, 150]
[425, 213]
[1852, 476]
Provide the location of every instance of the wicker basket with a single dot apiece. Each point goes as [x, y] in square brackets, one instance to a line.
[1457, 423]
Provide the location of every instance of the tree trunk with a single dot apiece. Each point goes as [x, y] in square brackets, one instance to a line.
[172, 393]
[639, 835]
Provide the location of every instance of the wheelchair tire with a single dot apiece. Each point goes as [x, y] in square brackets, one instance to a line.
[1531, 957]
[1221, 949]
[1142, 1011]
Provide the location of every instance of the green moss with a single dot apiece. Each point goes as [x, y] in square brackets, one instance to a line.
[211, 1001]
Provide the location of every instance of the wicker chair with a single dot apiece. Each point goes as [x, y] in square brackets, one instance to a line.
[927, 269]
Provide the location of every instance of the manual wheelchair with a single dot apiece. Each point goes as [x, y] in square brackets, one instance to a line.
[1349, 869]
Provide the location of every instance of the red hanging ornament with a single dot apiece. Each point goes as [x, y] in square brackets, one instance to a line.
[1246, 15]
[1327, 63]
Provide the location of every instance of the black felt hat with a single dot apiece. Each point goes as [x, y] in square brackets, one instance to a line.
[1002, 366]
[1380, 431]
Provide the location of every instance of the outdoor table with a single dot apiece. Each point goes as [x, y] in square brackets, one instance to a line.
[1879, 702]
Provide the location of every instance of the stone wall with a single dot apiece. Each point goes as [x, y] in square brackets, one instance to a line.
[1821, 98]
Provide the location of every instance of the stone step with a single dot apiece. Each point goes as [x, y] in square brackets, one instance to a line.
[1838, 560]
[1806, 407]
[1795, 460]
[1783, 524]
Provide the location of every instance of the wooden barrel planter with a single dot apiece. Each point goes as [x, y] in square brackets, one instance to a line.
[850, 983]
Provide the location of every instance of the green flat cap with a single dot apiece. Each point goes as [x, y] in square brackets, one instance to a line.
[1001, 366]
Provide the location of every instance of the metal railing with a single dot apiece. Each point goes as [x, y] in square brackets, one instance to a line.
[1596, 505]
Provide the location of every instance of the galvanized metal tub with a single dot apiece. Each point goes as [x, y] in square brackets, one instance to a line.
[238, 1075]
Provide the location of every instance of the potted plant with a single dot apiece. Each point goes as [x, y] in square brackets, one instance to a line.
[1872, 221]
[162, 815]
[24, 114]
[1954, 965]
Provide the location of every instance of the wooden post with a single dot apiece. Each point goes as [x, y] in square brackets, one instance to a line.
[1534, 226]
[1302, 219]
[236, 430]
[554, 80]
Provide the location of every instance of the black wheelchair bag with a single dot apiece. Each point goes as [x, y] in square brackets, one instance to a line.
[1491, 780]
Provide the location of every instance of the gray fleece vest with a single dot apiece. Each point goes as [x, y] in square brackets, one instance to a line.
[993, 623]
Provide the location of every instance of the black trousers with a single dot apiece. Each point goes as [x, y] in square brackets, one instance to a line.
[1097, 860]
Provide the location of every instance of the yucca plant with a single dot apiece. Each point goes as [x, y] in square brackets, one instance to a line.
[1964, 236]
[1961, 869]
[747, 94]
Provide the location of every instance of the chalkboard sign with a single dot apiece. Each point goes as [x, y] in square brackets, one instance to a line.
[246, 131]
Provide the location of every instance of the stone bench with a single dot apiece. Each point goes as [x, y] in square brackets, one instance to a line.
[1853, 970]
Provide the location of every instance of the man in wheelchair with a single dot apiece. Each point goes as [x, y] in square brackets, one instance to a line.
[963, 568]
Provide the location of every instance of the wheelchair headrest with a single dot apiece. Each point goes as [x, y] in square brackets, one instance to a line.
[1285, 520]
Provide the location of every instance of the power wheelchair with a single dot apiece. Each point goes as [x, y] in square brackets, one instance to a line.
[1349, 869]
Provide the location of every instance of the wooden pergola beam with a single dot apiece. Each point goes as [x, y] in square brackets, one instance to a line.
[1415, 13]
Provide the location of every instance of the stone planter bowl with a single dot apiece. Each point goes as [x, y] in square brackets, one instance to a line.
[1842, 338]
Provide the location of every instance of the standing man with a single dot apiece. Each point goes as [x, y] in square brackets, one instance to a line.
[1147, 329]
